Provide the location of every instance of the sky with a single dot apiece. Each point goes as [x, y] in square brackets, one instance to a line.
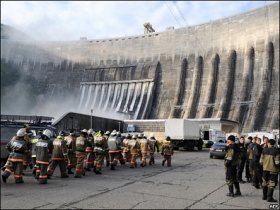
[71, 20]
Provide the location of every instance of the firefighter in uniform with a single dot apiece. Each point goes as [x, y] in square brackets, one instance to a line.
[99, 145]
[81, 144]
[17, 147]
[114, 144]
[153, 144]
[125, 153]
[107, 156]
[59, 156]
[120, 140]
[33, 153]
[144, 147]
[241, 159]
[231, 161]
[139, 137]
[42, 149]
[134, 148]
[27, 155]
[270, 161]
[71, 151]
[89, 151]
[167, 151]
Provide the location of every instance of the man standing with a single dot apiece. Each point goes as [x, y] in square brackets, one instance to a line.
[241, 159]
[257, 151]
[133, 147]
[81, 144]
[17, 147]
[71, 151]
[126, 154]
[144, 147]
[247, 171]
[59, 156]
[33, 153]
[43, 148]
[250, 157]
[231, 161]
[90, 154]
[114, 144]
[100, 145]
[270, 162]
[167, 151]
[153, 144]
[106, 152]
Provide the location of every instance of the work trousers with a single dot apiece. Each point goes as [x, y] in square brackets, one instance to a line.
[72, 160]
[16, 168]
[41, 172]
[99, 160]
[54, 163]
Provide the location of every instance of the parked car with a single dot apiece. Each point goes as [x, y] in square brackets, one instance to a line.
[218, 150]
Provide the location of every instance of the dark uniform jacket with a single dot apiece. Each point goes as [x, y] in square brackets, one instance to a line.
[71, 143]
[231, 158]
[257, 151]
[81, 144]
[242, 151]
[17, 147]
[43, 148]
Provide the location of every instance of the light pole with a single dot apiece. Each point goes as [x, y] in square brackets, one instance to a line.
[91, 118]
[119, 126]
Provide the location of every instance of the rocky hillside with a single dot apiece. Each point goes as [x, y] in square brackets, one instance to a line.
[8, 32]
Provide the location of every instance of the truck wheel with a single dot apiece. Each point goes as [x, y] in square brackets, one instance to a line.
[211, 156]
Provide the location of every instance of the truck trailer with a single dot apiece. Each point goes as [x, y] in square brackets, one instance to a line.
[183, 133]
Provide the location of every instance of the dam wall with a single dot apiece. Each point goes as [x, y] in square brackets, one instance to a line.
[227, 68]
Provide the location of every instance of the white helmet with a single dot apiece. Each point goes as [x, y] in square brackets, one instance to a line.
[48, 133]
[84, 131]
[113, 133]
[90, 131]
[152, 135]
[21, 132]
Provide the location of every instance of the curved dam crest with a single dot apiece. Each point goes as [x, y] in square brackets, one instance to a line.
[228, 68]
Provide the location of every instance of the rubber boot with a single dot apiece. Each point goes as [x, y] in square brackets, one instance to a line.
[237, 189]
[94, 169]
[270, 195]
[230, 194]
[163, 162]
[69, 171]
[265, 192]
[64, 176]
[112, 167]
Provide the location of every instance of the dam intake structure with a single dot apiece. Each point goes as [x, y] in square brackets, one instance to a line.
[234, 74]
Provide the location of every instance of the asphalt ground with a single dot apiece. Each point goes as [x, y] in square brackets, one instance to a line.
[194, 181]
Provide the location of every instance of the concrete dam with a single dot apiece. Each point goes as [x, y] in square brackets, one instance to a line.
[227, 68]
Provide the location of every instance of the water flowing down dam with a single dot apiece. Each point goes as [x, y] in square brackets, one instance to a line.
[227, 68]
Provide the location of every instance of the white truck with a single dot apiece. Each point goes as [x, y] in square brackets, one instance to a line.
[214, 136]
[272, 135]
[183, 133]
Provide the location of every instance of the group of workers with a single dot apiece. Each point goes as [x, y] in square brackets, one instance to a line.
[261, 163]
[85, 152]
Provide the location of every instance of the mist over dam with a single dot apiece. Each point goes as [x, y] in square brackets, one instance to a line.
[227, 68]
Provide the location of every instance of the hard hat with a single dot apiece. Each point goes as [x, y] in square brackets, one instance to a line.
[84, 131]
[134, 136]
[140, 135]
[90, 131]
[48, 133]
[108, 132]
[144, 136]
[101, 132]
[21, 132]
[118, 133]
[72, 132]
[113, 133]
[152, 135]
[62, 133]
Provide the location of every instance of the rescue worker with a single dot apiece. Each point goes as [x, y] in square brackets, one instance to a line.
[139, 137]
[120, 140]
[71, 151]
[43, 148]
[33, 153]
[114, 144]
[144, 148]
[153, 144]
[125, 153]
[88, 162]
[100, 145]
[134, 148]
[247, 171]
[241, 159]
[167, 151]
[59, 156]
[81, 144]
[270, 161]
[17, 147]
[27, 155]
[231, 161]
[107, 156]
[257, 151]
[265, 142]
[250, 157]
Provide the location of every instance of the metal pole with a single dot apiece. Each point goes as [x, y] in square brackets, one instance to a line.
[119, 126]
[91, 118]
